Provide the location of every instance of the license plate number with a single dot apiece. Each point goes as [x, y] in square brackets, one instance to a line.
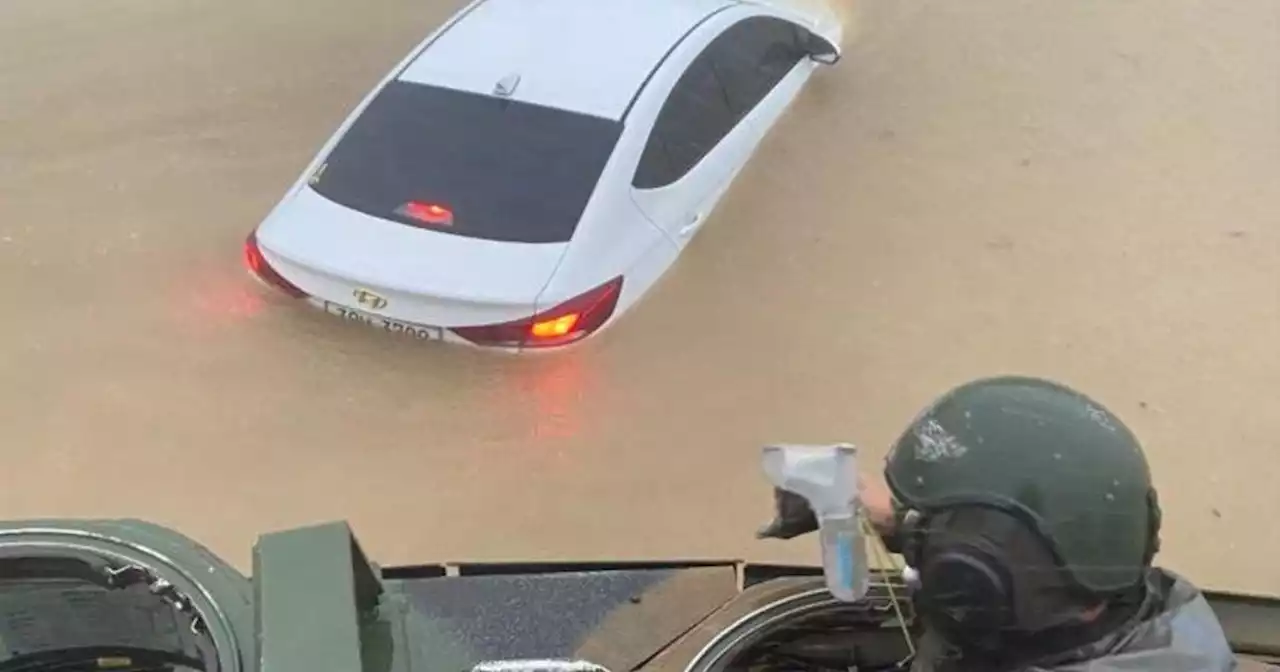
[417, 331]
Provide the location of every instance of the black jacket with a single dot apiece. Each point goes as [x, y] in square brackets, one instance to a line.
[1175, 630]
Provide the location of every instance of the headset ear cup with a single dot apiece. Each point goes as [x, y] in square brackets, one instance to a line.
[978, 593]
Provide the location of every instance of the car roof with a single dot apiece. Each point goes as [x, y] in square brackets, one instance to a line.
[589, 56]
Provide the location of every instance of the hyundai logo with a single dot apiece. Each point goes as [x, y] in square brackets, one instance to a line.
[370, 299]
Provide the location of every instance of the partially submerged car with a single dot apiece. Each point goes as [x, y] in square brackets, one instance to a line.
[131, 596]
[531, 169]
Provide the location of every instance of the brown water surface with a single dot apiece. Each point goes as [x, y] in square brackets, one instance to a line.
[1085, 190]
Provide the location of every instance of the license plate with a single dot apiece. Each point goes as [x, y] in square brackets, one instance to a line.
[418, 331]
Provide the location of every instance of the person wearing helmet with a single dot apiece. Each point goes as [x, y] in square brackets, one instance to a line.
[1027, 512]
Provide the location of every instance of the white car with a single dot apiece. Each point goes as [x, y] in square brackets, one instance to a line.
[534, 166]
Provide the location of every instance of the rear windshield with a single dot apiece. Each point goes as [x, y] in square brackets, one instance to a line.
[507, 170]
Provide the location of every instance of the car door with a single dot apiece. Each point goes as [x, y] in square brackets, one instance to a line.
[713, 119]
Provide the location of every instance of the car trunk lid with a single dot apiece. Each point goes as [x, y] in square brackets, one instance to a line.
[422, 276]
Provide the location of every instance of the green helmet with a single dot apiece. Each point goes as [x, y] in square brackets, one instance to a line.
[1042, 452]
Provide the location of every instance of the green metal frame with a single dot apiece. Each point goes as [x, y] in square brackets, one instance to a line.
[314, 591]
[314, 587]
[317, 603]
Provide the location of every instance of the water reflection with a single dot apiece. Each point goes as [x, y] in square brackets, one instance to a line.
[214, 297]
[556, 388]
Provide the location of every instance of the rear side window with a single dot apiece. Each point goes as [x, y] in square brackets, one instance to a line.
[760, 52]
[724, 83]
[696, 117]
[508, 171]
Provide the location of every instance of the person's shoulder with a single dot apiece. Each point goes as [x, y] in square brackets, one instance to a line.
[1185, 598]
[1173, 589]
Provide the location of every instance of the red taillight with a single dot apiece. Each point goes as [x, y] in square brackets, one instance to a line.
[427, 213]
[560, 325]
[554, 327]
[257, 263]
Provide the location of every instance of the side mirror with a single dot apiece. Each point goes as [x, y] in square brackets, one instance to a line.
[821, 51]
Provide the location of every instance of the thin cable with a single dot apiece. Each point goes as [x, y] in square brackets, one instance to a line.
[884, 556]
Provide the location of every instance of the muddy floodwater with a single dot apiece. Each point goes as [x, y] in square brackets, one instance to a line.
[1086, 190]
